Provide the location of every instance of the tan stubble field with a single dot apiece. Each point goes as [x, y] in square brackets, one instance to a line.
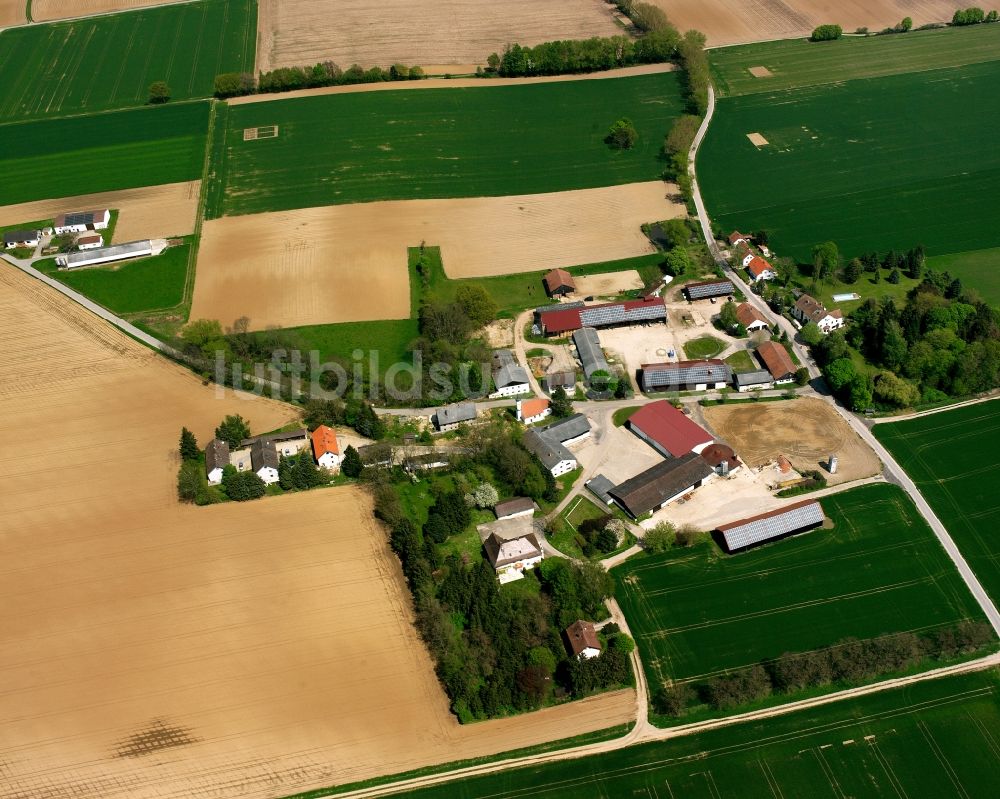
[12, 13]
[149, 649]
[150, 212]
[737, 21]
[347, 263]
[45, 10]
[463, 32]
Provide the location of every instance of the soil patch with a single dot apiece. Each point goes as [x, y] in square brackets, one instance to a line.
[347, 263]
[761, 72]
[11, 13]
[464, 32]
[151, 212]
[608, 284]
[807, 431]
[757, 140]
[179, 652]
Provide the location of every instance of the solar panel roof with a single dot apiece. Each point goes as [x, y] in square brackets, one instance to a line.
[701, 291]
[747, 532]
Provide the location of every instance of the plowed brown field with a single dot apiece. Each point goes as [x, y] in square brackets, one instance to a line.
[347, 263]
[806, 430]
[11, 13]
[151, 212]
[735, 21]
[45, 10]
[366, 32]
[156, 650]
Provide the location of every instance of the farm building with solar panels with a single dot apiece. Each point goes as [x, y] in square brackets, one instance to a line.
[771, 526]
[709, 289]
[560, 321]
[685, 375]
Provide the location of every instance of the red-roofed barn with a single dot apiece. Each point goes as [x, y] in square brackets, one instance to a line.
[668, 430]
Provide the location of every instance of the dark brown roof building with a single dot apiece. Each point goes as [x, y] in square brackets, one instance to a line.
[559, 282]
[503, 552]
[582, 640]
[664, 482]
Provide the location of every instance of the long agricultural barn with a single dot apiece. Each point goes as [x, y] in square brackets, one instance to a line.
[790, 520]
[662, 484]
[588, 350]
[105, 255]
[560, 320]
[667, 430]
[685, 375]
[708, 289]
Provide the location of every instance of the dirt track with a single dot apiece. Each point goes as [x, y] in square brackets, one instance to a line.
[300, 32]
[735, 21]
[177, 652]
[806, 430]
[151, 212]
[45, 10]
[346, 263]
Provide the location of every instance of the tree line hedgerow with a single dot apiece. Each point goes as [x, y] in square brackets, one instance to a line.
[847, 662]
[325, 73]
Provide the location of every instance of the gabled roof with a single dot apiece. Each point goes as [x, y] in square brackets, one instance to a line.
[600, 486]
[216, 455]
[515, 505]
[746, 315]
[581, 635]
[808, 305]
[565, 429]
[665, 480]
[758, 266]
[90, 238]
[79, 218]
[668, 427]
[510, 374]
[664, 375]
[776, 359]
[755, 378]
[566, 320]
[559, 279]
[277, 438]
[15, 236]
[460, 412]
[773, 524]
[502, 552]
[736, 237]
[324, 440]
[548, 449]
[533, 407]
[263, 454]
[588, 348]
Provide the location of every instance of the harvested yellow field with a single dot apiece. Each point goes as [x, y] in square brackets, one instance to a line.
[160, 651]
[737, 21]
[151, 212]
[347, 263]
[11, 13]
[45, 10]
[462, 32]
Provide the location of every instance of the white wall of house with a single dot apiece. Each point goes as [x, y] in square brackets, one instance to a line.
[515, 571]
[570, 442]
[829, 323]
[92, 245]
[767, 274]
[754, 387]
[513, 390]
[529, 512]
[71, 229]
[538, 416]
[215, 476]
[755, 326]
[747, 259]
[293, 447]
[268, 474]
[588, 653]
[330, 461]
[563, 467]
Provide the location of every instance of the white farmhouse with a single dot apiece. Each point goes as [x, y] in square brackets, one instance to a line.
[759, 269]
[582, 640]
[808, 309]
[326, 448]
[216, 459]
[511, 558]
[79, 221]
[264, 460]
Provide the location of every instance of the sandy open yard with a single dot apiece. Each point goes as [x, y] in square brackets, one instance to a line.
[298, 32]
[347, 263]
[158, 650]
[151, 212]
[806, 430]
[45, 10]
[734, 21]
[607, 284]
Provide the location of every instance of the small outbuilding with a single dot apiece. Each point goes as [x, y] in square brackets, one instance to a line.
[757, 380]
[451, 416]
[513, 508]
[530, 411]
[752, 319]
[90, 242]
[21, 238]
[559, 283]
[582, 641]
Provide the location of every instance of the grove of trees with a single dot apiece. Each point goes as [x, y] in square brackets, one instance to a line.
[325, 73]
[826, 33]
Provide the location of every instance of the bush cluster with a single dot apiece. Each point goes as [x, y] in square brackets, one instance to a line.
[585, 55]
[325, 73]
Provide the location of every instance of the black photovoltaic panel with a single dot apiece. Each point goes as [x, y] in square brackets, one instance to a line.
[705, 373]
[773, 526]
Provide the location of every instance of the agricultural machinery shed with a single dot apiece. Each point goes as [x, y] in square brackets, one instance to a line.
[588, 348]
[708, 289]
[796, 518]
[685, 375]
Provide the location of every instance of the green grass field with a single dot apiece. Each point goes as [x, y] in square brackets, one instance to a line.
[871, 164]
[797, 62]
[147, 284]
[979, 268]
[102, 152]
[950, 456]
[704, 347]
[934, 739]
[103, 62]
[880, 570]
[466, 142]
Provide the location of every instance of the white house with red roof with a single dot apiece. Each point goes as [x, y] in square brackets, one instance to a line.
[760, 269]
[326, 448]
[808, 309]
[668, 430]
[736, 237]
[530, 411]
